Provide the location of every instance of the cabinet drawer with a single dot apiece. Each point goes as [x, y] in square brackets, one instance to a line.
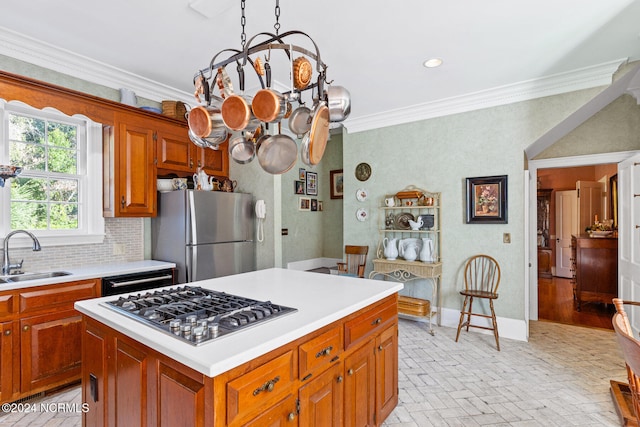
[260, 388]
[7, 305]
[318, 353]
[57, 295]
[369, 322]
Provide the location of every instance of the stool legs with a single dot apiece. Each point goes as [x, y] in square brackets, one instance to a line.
[467, 322]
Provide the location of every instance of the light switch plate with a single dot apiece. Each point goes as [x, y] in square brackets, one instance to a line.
[506, 237]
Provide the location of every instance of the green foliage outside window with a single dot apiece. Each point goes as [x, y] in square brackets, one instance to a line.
[45, 195]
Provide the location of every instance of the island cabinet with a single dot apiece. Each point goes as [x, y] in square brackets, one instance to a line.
[344, 373]
[40, 345]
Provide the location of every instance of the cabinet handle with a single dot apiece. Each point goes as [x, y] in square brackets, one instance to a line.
[191, 163]
[25, 328]
[350, 372]
[339, 379]
[324, 352]
[379, 348]
[377, 321]
[292, 416]
[122, 202]
[268, 386]
[7, 332]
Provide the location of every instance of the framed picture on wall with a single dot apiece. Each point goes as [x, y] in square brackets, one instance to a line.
[314, 205]
[312, 183]
[337, 184]
[298, 187]
[302, 174]
[304, 204]
[487, 200]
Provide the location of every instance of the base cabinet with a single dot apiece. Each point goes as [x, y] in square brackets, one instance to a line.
[40, 345]
[596, 269]
[332, 377]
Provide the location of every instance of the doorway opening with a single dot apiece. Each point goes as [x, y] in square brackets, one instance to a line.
[551, 296]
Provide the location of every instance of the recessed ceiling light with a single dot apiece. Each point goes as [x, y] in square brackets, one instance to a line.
[432, 63]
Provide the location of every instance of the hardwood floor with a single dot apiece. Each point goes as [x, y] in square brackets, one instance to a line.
[555, 303]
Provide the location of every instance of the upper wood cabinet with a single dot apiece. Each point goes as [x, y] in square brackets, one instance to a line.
[129, 186]
[177, 154]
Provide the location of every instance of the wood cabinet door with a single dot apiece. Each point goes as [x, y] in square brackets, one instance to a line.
[9, 363]
[321, 399]
[128, 384]
[386, 372]
[50, 350]
[282, 414]
[94, 360]
[175, 151]
[135, 171]
[215, 162]
[359, 387]
[178, 388]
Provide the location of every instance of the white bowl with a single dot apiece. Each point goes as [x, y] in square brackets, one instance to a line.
[164, 185]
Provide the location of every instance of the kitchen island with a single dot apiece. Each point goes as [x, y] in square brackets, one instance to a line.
[333, 361]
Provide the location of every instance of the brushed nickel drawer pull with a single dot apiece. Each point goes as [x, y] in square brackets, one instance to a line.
[324, 352]
[350, 372]
[7, 332]
[268, 386]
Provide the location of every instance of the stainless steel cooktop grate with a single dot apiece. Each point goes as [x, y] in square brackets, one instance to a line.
[196, 315]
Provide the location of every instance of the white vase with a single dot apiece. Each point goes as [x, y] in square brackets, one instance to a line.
[426, 253]
[390, 249]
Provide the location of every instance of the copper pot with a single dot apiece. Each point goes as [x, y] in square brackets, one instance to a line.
[236, 113]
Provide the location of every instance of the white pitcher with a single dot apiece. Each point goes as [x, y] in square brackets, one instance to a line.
[390, 249]
[409, 249]
[426, 253]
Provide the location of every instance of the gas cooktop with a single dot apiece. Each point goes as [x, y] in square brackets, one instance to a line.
[196, 315]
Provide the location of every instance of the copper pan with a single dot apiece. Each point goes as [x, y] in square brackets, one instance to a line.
[319, 133]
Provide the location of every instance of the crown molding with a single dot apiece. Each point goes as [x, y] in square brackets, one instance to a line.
[51, 57]
[48, 56]
[584, 78]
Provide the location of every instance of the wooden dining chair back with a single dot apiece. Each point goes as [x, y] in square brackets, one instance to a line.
[481, 281]
[630, 350]
[356, 261]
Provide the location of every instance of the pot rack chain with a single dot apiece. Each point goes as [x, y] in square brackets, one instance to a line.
[276, 26]
[243, 22]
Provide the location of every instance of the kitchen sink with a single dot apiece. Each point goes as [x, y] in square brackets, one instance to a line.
[32, 276]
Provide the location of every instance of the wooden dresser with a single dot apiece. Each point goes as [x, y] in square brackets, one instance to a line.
[596, 268]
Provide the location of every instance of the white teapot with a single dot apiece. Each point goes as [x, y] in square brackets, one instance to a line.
[202, 181]
[390, 249]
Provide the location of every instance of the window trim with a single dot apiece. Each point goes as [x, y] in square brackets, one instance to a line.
[91, 222]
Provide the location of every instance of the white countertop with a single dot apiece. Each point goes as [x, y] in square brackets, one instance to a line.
[320, 299]
[91, 272]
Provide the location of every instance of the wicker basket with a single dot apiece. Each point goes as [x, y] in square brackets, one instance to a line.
[174, 109]
[413, 306]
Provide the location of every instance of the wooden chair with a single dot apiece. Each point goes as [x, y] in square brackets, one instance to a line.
[630, 350]
[481, 280]
[356, 261]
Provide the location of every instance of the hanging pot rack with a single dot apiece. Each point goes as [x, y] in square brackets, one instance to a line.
[274, 42]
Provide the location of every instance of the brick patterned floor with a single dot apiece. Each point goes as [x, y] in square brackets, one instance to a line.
[559, 378]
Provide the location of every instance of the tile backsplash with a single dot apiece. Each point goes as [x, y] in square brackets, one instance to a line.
[123, 242]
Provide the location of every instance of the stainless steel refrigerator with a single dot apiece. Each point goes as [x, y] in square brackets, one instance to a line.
[206, 233]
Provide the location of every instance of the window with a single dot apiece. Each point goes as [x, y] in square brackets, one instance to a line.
[57, 195]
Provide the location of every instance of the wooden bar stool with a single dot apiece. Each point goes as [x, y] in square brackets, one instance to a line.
[356, 261]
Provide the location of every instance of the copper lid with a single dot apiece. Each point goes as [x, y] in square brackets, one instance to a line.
[235, 112]
[266, 105]
[199, 121]
[319, 134]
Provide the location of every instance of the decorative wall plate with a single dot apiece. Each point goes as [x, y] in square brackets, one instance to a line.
[362, 194]
[402, 221]
[362, 214]
[363, 171]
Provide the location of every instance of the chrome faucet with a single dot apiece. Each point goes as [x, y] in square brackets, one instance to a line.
[6, 264]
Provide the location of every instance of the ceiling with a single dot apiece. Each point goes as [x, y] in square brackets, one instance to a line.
[375, 48]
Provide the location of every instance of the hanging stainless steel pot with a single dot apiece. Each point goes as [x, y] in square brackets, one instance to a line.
[241, 149]
[339, 103]
[268, 105]
[276, 153]
[300, 120]
[206, 123]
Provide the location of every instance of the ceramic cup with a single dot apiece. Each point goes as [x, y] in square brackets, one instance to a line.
[389, 202]
[179, 183]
